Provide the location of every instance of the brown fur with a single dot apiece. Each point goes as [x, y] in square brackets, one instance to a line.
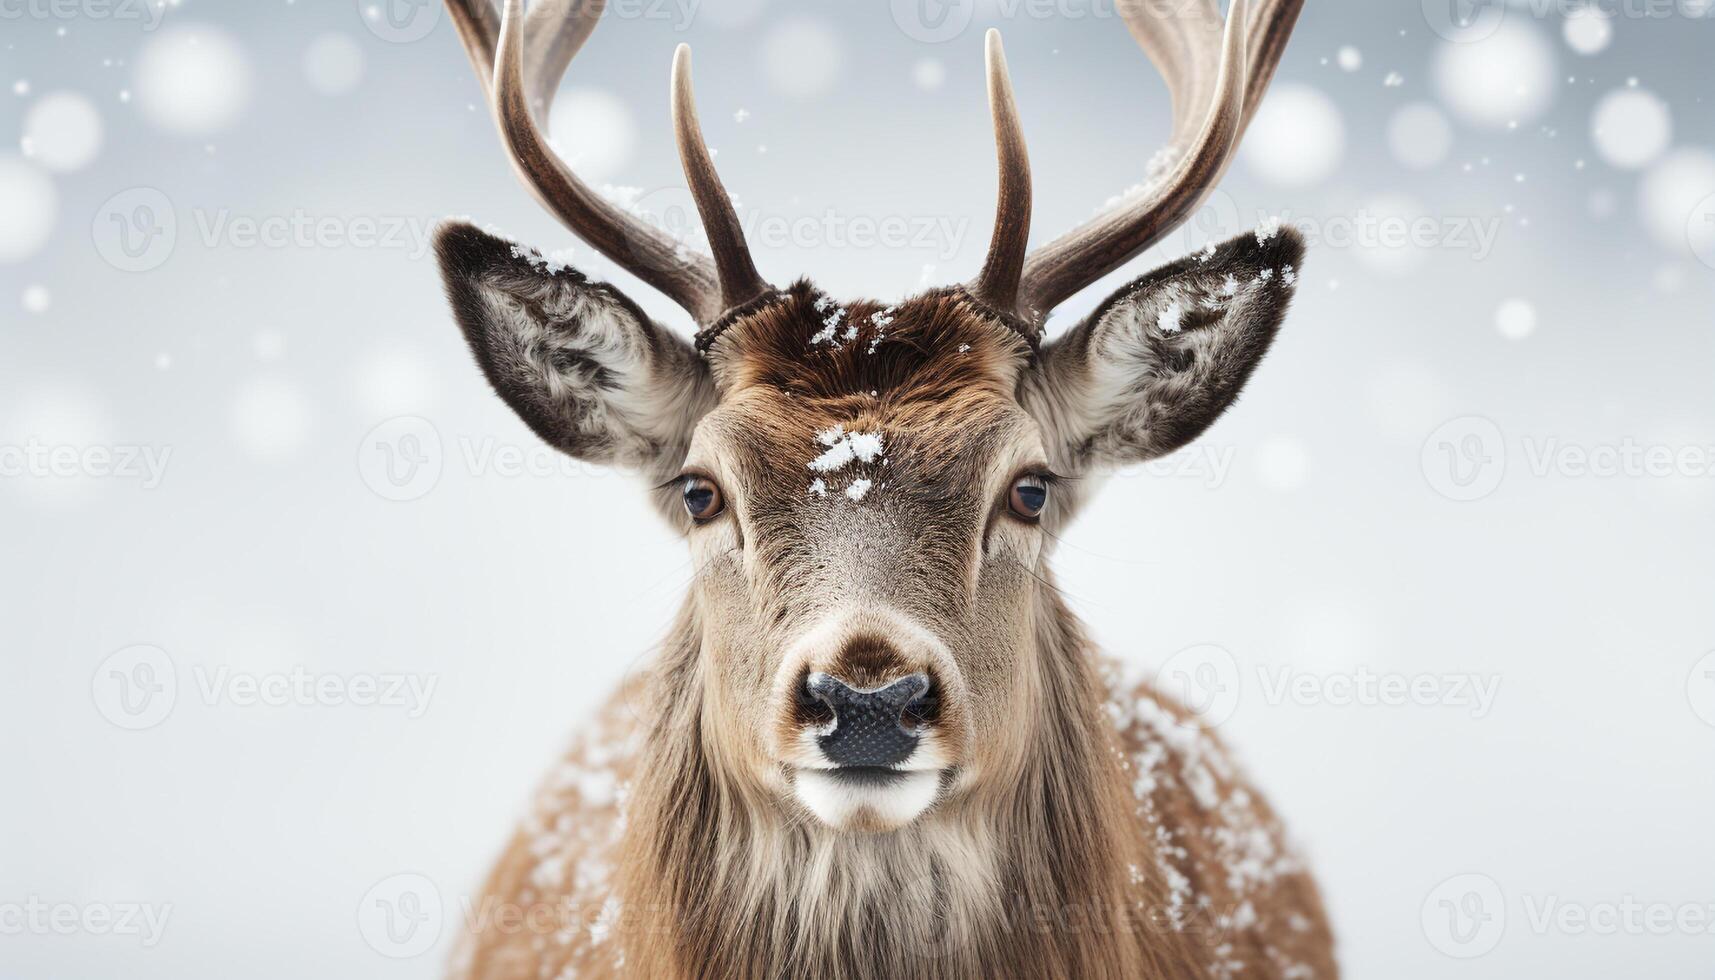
[1082, 828]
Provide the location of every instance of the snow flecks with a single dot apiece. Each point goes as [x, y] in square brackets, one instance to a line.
[1207, 253]
[881, 320]
[964, 348]
[574, 827]
[1169, 321]
[553, 263]
[866, 445]
[1289, 275]
[1265, 275]
[842, 450]
[625, 196]
[1220, 867]
[1268, 229]
[1230, 286]
[837, 456]
[1155, 172]
[603, 925]
[833, 317]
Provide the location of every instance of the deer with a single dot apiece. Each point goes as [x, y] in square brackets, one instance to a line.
[875, 741]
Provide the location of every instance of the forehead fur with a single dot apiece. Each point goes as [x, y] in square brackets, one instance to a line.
[932, 380]
[934, 347]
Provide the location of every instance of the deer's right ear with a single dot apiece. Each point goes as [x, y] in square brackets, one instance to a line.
[580, 363]
[1157, 363]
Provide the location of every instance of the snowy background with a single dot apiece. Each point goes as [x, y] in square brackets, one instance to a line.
[296, 613]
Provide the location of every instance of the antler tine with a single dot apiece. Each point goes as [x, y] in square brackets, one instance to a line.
[1217, 75]
[478, 26]
[739, 281]
[997, 283]
[497, 51]
[554, 31]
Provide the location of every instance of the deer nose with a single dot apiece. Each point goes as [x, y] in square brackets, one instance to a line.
[870, 727]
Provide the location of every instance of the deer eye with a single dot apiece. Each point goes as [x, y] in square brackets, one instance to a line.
[703, 500]
[1028, 496]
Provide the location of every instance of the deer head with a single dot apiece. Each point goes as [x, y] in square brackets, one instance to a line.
[869, 490]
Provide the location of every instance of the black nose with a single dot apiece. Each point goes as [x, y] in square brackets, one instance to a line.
[869, 728]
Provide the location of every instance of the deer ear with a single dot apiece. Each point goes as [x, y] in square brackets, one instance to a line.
[1161, 359]
[579, 362]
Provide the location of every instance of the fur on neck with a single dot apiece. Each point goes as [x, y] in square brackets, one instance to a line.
[1029, 874]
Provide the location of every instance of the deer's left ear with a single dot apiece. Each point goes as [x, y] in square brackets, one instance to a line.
[1161, 359]
[579, 362]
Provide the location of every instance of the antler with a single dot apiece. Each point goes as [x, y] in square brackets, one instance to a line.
[1217, 73]
[997, 283]
[520, 60]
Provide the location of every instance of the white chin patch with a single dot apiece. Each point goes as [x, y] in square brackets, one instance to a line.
[841, 803]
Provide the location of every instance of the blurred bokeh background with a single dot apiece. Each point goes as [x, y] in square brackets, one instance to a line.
[296, 613]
